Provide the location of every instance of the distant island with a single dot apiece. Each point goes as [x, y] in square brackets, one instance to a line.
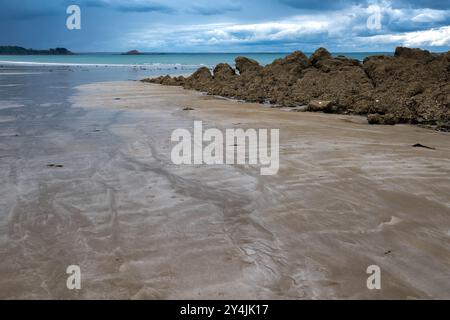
[15, 50]
[132, 53]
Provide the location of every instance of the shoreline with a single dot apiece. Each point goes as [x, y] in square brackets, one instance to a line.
[155, 66]
[196, 66]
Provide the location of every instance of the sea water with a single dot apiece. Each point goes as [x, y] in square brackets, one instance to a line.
[155, 61]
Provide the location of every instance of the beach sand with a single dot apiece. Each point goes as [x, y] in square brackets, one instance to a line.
[348, 195]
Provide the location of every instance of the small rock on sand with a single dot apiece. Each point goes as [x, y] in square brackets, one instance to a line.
[52, 165]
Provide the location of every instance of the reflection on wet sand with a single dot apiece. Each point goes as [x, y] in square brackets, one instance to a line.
[348, 195]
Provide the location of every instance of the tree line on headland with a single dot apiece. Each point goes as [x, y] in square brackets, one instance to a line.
[15, 50]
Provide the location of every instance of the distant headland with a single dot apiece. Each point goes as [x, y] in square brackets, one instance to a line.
[132, 53]
[15, 50]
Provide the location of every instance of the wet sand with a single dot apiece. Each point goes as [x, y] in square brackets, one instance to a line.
[348, 195]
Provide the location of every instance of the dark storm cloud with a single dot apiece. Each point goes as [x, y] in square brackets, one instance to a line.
[320, 5]
[431, 4]
[129, 6]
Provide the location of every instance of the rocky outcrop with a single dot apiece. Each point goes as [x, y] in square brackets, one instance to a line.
[412, 86]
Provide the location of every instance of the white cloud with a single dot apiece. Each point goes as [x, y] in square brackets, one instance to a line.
[429, 15]
[268, 31]
[436, 37]
[296, 28]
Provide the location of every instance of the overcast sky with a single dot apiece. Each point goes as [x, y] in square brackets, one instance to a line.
[228, 26]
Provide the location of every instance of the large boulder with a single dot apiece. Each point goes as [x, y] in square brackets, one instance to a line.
[319, 55]
[199, 80]
[280, 76]
[413, 85]
[223, 71]
[340, 62]
[246, 65]
[292, 64]
[320, 106]
[341, 81]
[202, 74]
[417, 54]
[387, 119]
